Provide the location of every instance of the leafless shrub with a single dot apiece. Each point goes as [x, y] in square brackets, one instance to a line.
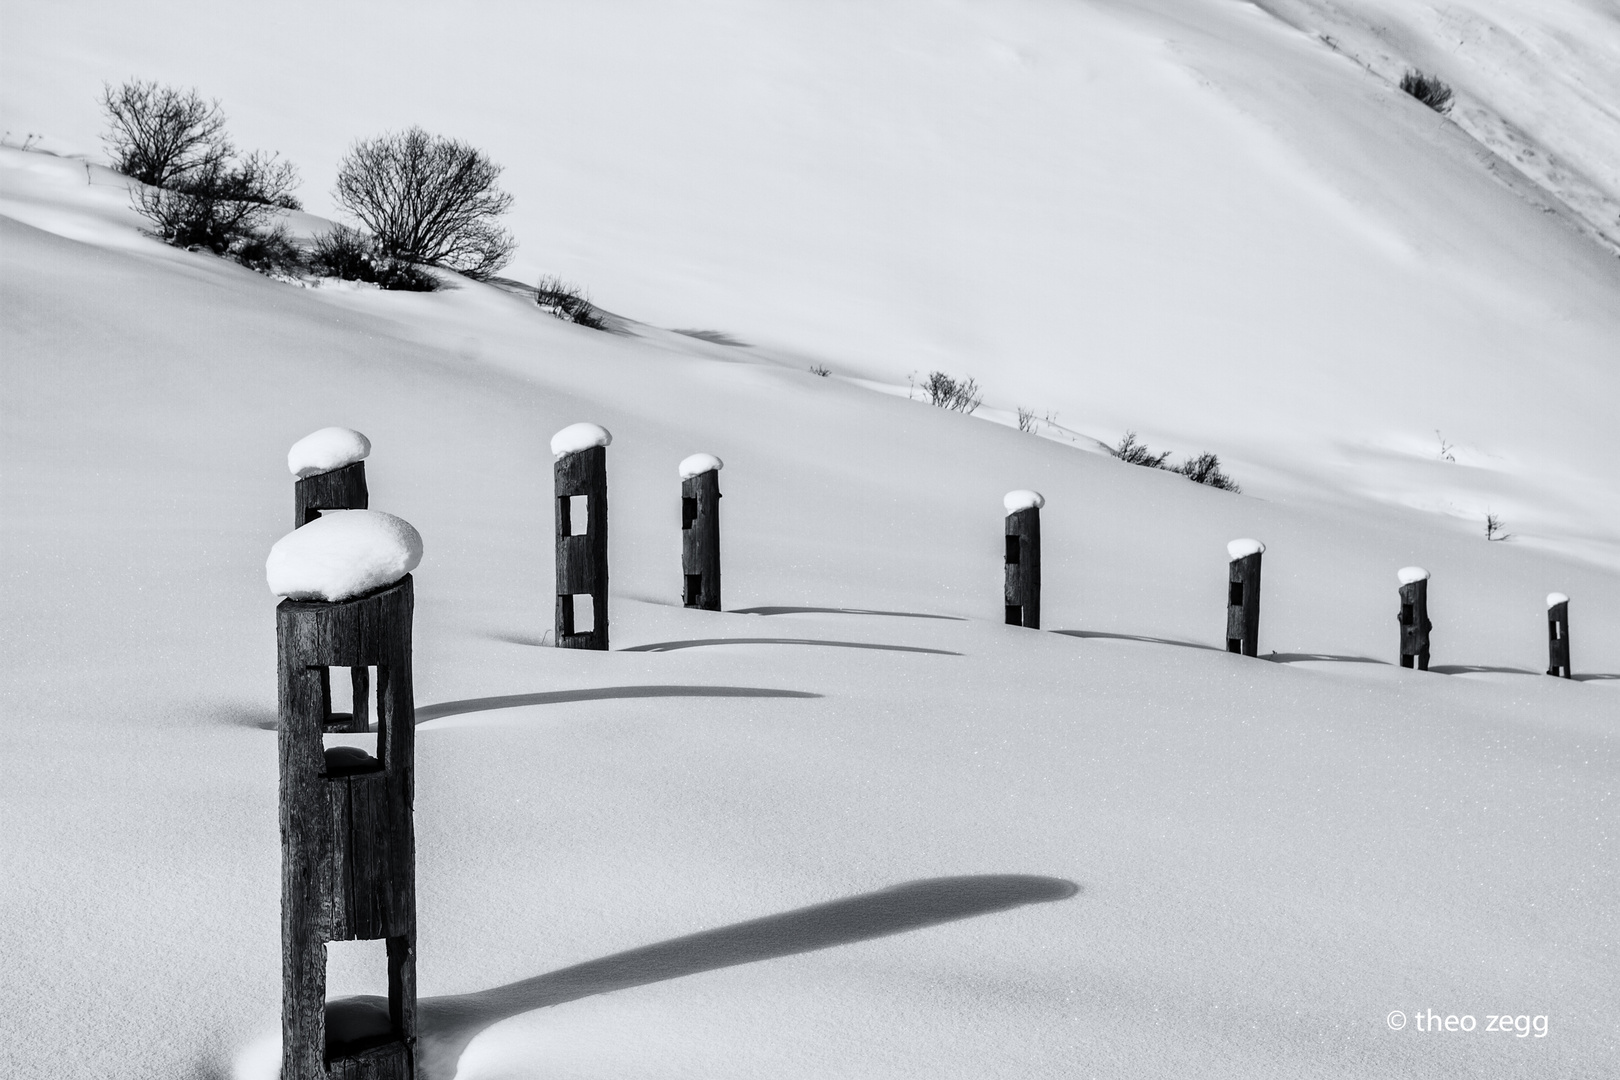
[428, 199]
[948, 393]
[351, 255]
[220, 203]
[1132, 452]
[1206, 469]
[817, 369]
[1428, 89]
[568, 302]
[1493, 528]
[1026, 419]
[160, 134]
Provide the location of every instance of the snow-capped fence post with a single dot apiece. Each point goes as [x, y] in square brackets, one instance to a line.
[582, 564]
[1243, 597]
[1023, 559]
[1414, 617]
[1558, 635]
[330, 468]
[348, 863]
[700, 531]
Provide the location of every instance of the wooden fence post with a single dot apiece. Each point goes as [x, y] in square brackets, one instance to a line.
[1414, 617]
[1243, 597]
[1558, 636]
[1023, 560]
[348, 860]
[582, 562]
[328, 480]
[700, 531]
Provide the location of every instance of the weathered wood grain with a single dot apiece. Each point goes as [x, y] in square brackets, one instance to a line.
[1415, 625]
[1023, 568]
[700, 541]
[1558, 640]
[347, 836]
[1243, 606]
[582, 566]
[340, 489]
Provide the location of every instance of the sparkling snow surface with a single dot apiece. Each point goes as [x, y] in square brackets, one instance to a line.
[576, 437]
[698, 464]
[342, 553]
[327, 449]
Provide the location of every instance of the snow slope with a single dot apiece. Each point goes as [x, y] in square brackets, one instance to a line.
[1107, 850]
[1189, 219]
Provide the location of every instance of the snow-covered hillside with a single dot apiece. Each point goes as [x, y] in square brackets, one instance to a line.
[1107, 848]
[1188, 219]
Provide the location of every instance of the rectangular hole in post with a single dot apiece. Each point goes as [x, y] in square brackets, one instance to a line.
[694, 589]
[1234, 594]
[1012, 550]
[357, 1017]
[351, 687]
[1406, 614]
[1015, 615]
[351, 751]
[579, 520]
[1234, 644]
[584, 609]
[688, 512]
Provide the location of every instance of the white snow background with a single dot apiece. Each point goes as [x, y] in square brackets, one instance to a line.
[1123, 852]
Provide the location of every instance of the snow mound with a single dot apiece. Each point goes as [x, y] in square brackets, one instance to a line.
[1408, 574]
[341, 554]
[327, 449]
[1023, 500]
[1556, 598]
[698, 464]
[576, 437]
[1239, 549]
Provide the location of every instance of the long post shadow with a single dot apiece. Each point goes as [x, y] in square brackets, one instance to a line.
[445, 1025]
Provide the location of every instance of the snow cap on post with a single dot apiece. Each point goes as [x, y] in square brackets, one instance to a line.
[1239, 549]
[1556, 598]
[327, 449]
[576, 437]
[698, 464]
[1408, 574]
[1022, 499]
[342, 554]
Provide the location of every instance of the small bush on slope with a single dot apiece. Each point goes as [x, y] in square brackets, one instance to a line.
[1429, 90]
[568, 302]
[1132, 452]
[351, 255]
[221, 204]
[947, 393]
[1205, 468]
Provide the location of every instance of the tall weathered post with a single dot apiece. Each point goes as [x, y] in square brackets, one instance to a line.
[582, 564]
[331, 470]
[348, 857]
[1243, 597]
[700, 531]
[1414, 617]
[1023, 560]
[1558, 635]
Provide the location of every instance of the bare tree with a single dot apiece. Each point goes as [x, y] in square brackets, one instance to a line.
[220, 202]
[160, 134]
[428, 199]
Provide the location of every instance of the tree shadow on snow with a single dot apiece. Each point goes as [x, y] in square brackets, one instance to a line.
[1594, 676]
[1135, 637]
[697, 643]
[445, 1025]
[840, 611]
